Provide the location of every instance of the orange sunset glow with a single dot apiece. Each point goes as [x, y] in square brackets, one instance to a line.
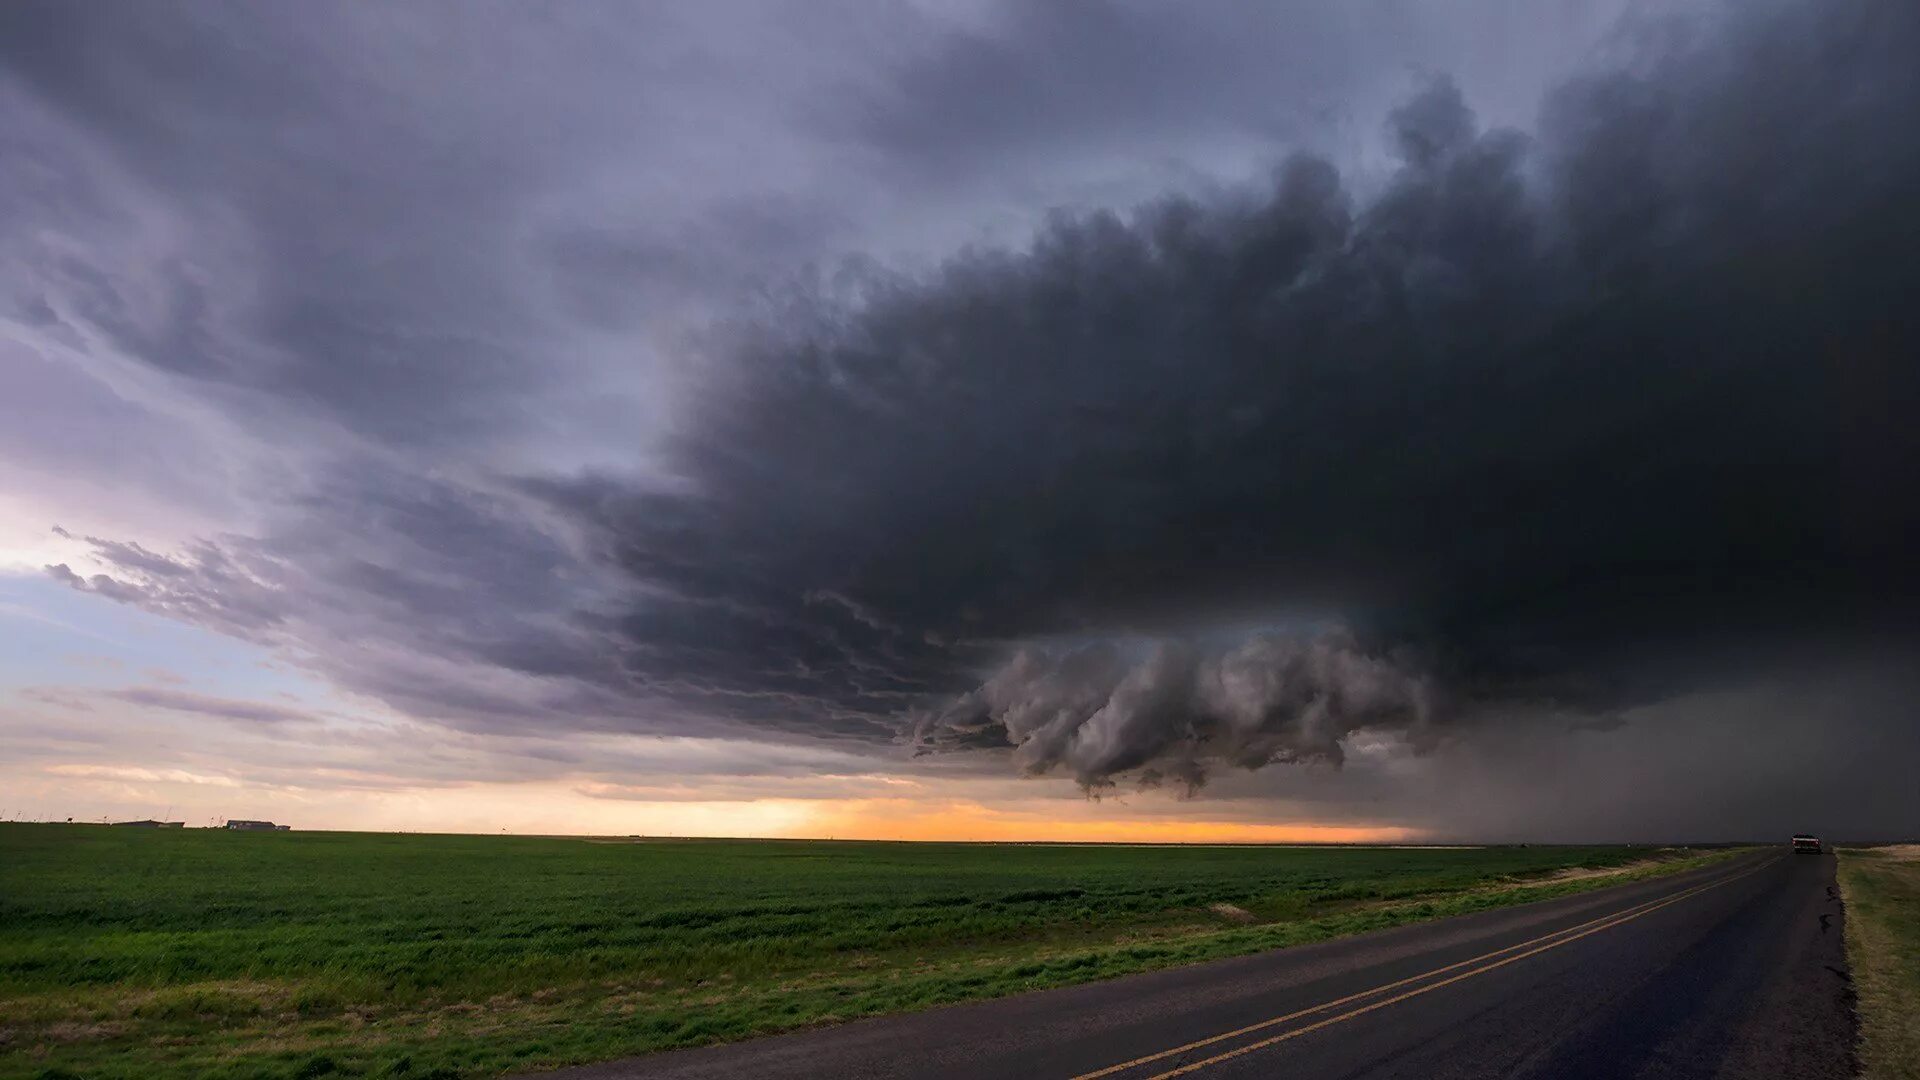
[884, 819]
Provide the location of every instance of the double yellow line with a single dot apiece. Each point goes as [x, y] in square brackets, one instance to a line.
[1531, 947]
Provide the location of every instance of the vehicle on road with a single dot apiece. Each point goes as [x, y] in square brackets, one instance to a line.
[1804, 844]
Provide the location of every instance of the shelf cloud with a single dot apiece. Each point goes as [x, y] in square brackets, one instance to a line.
[1524, 402]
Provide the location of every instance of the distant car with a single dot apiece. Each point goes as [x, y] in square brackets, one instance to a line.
[1804, 843]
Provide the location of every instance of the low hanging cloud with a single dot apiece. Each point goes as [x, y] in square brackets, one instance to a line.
[1175, 710]
[1592, 413]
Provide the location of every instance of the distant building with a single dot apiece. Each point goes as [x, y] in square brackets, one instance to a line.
[150, 824]
[256, 826]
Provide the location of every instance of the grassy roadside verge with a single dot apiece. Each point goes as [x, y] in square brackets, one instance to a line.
[300, 956]
[1881, 888]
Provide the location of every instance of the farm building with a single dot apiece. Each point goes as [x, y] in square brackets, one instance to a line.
[151, 824]
[255, 826]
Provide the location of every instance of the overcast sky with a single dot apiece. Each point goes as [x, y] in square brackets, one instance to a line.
[1079, 420]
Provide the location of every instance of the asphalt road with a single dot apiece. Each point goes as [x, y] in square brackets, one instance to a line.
[1732, 971]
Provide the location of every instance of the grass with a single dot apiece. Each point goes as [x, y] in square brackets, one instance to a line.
[159, 954]
[1881, 887]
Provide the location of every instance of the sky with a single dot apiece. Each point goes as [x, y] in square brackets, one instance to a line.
[1119, 421]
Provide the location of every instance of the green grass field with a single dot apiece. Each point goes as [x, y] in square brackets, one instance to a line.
[154, 954]
[1881, 887]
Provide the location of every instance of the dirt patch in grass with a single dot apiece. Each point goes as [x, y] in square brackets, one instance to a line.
[67, 1032]
[1583, 873]
[1232, 912]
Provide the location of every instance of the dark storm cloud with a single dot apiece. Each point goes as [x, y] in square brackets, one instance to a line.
[1586, 413]
[1269, 699]
[1578, 415]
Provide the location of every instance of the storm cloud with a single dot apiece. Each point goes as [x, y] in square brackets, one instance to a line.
[1588, 407]
[1168, 713]
[1583, 416]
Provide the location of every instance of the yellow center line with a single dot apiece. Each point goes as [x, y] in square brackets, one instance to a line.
[1331, 1020]
[1579, 930]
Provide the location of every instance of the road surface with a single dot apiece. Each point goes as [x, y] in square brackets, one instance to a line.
[1733, 971]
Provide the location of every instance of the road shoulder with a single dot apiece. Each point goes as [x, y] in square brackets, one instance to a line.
[1881, 888]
